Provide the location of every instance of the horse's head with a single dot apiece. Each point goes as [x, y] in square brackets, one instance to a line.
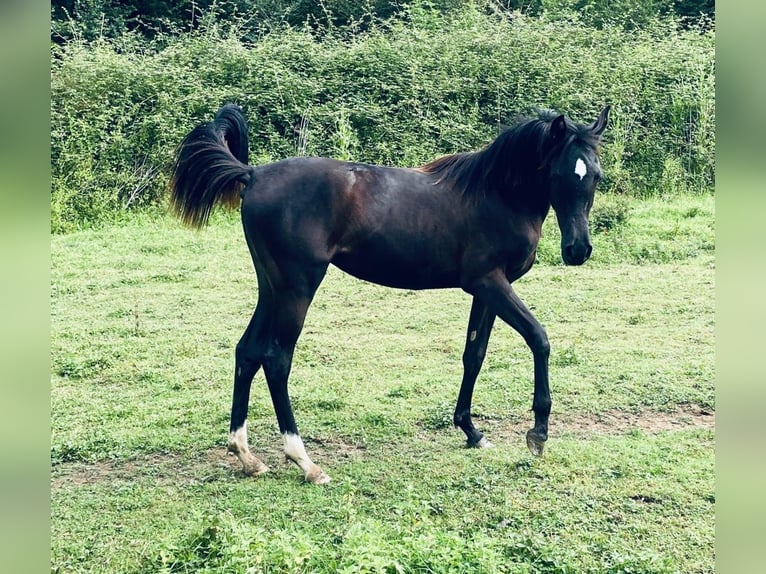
[574, 173]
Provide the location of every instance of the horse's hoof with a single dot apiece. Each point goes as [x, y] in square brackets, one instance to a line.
[483, 443]
[317, 476]
[535, 442]
[471, 442]
[255, 469]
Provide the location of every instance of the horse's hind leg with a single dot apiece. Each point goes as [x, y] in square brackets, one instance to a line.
[248, 358]
[479, 327]
[288, 322]
[277, 369]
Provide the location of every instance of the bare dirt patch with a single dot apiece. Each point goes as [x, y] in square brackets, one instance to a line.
[218, 464]
[164, 468]
[177, 468]
[611, 422]
[616, 421]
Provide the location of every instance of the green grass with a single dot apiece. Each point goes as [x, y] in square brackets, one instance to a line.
[144, 320]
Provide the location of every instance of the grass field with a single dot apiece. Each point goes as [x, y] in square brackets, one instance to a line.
[144, 320]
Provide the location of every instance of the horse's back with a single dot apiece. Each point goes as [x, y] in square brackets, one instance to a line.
[387, 225]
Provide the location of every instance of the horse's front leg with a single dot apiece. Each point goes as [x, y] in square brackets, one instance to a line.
[479, 328]
[496, 291]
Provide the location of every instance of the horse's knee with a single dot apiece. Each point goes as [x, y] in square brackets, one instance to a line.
[473, 359]
[248, 355]
[276, 364]
[539, 343]
[475, 354]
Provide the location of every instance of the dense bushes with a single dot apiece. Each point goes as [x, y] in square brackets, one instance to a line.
[91, 19]
[400, 93]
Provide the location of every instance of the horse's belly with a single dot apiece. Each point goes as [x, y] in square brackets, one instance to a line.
[402, 272]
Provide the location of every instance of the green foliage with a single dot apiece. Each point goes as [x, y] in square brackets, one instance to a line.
[600, 13]
[366, 546]
[401, 93]
[610, 213]
[92, 19]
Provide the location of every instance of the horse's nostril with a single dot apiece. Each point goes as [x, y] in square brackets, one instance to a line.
[575, 254]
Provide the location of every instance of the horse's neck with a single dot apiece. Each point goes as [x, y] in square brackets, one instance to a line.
[530, 198]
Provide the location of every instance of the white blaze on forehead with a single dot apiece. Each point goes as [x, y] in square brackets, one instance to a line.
[580, 168]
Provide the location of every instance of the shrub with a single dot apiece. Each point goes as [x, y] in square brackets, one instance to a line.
[91, 19]
[609, 213]
[399, 94]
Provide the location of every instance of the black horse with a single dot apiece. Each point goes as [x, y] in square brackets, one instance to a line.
[468, 220]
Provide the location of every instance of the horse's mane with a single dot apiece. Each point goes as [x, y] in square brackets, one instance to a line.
[513, 161]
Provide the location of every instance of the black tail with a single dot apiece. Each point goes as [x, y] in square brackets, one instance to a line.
[210, 167]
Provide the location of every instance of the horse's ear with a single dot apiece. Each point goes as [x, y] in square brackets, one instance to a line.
[558, 128]
[599, 125]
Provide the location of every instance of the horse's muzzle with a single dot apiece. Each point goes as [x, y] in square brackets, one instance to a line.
[576, 253]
